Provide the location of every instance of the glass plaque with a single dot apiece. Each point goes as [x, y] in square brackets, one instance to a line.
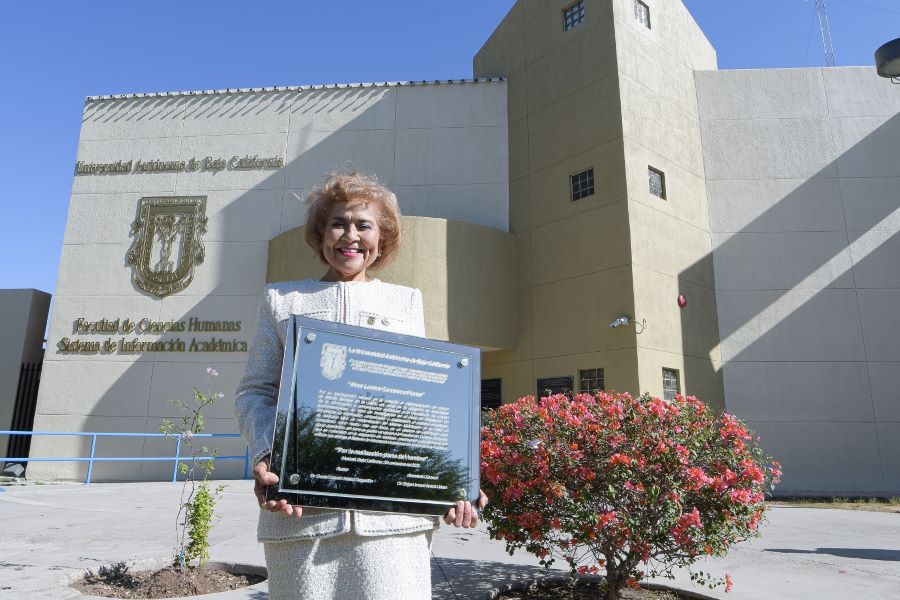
[375, 420]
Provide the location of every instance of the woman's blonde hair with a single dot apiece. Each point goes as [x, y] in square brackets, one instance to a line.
[352, 189]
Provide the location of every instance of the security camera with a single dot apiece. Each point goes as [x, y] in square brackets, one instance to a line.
[620, 321]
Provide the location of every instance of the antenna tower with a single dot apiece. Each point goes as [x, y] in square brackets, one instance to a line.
[825, 29]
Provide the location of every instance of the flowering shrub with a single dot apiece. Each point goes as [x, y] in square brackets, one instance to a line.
[633, 486]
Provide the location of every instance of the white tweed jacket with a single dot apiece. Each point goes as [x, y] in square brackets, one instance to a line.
[374, 304]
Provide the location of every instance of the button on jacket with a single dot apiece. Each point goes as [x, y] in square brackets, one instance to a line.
[373, 304]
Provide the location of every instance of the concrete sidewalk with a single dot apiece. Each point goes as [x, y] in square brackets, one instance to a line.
[52, 533]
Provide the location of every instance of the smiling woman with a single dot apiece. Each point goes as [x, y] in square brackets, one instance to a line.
[351, 241]
[319, 554]
[353, 225]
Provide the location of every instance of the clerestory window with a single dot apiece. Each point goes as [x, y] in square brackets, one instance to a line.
[642, 13]
[657, 182]
[573, 15]
[582, 184]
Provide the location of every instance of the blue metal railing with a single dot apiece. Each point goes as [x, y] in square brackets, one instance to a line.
[94, 458]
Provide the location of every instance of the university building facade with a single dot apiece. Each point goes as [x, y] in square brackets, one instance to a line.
[739, 228]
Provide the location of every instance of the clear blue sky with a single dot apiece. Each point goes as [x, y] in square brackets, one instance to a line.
[54, 53]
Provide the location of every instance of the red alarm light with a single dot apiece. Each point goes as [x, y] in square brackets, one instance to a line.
[682, 301]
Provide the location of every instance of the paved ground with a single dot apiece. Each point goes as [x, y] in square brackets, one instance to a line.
[50, 534]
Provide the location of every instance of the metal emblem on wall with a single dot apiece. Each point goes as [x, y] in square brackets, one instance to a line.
[168, 243]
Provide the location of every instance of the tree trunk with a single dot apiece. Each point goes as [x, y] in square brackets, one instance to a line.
[614, 583]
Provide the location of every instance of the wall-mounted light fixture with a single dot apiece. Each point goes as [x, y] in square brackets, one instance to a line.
[887, 60]
[625, 320]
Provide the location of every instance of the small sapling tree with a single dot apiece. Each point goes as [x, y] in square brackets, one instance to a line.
[198, 498]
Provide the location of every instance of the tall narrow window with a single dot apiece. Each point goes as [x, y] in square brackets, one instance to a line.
[670, 384]
[590, 381]
[582, 184]
[549, 386]
[573, 15]
[490, 393]
[657, 182]
[642, 13]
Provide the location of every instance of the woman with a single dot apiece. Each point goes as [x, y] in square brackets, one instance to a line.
[354, 226]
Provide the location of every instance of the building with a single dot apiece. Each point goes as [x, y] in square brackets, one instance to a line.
[598, 166]
[23, 319]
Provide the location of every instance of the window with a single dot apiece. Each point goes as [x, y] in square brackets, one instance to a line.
[573, 15]
[642, 13]
[582, 184]
[670, 384]
[490, 394]
[590, 381]
[657, 182]
[555, 385]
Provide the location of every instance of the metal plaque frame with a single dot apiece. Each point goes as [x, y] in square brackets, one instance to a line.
[374, 420]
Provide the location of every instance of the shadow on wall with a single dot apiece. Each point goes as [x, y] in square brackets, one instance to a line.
[806, 295]
[328, 130]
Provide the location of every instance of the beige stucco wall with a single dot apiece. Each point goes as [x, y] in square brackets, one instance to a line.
[611, 95]
[802, 177]
[670, 239]
[467, 274]
[574, 275]
[441, 147]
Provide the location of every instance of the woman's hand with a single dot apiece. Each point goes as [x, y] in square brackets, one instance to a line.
[464, 514]
[264, 478]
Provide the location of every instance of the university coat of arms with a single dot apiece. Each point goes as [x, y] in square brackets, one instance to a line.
[167, 243]
[333, 361]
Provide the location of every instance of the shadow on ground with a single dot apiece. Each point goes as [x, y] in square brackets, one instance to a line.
[472, 579]
[861, 553]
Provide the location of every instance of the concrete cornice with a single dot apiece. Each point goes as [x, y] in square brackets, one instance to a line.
[296, 88]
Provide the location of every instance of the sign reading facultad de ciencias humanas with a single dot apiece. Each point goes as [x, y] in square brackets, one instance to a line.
[375, 420]
[212, 164]
[134, 336]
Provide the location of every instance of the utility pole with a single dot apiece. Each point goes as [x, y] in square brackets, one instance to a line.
[825, 30]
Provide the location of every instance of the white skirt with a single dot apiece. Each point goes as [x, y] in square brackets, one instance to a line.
[351, 567]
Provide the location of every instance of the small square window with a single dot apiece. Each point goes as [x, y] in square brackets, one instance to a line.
[642, 13]
[670, 384]
[549, 386]
[657, 182]
[590, 381]
[490, 393]
[573, 15]
[582, 184]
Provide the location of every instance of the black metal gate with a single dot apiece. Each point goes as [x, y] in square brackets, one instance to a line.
[23, 412]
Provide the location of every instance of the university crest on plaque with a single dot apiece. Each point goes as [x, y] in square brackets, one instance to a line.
[333, 361]
[168, 243]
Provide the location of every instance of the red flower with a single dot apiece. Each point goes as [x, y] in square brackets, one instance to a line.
[696, 477]
[619, 459]
[605, 519]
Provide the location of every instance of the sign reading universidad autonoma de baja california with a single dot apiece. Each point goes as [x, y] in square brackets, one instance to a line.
[167, 246]
[190, 165]
[375, 420]
[171, 225]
